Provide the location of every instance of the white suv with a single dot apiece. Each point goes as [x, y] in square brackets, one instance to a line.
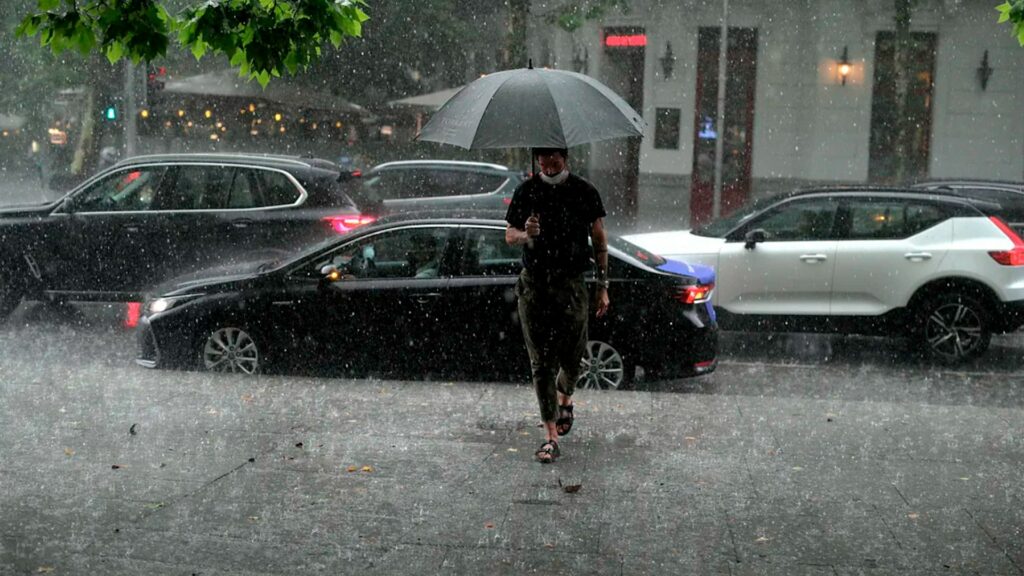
[937, 266]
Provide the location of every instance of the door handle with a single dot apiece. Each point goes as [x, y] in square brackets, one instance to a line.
[918, 256]
[241, 223]
[426, 297]
[813, 258]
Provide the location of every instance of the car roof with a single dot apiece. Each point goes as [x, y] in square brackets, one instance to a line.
[890, 191]
[971, 183]
[269, 160]
[448, 163]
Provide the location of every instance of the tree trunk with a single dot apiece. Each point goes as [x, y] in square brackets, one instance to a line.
[515, 56]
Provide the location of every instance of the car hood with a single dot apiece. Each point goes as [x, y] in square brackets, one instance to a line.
[22, 210]
[680, 245]
[210, 278]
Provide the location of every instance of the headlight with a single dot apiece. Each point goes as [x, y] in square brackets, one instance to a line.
[164, 304]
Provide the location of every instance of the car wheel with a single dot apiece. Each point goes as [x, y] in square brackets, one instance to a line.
[12, 290]
[604, 368]
[955, 327]
[231, 349]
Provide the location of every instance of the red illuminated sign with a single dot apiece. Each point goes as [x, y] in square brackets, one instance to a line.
[625, 40]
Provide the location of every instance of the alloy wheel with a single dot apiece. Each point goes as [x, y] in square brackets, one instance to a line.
[954, 330]
[602, 368]
[231, 350]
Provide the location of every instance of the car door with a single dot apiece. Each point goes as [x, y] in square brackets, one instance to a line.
[110, 242]
[190, 233]
[790, 272]
[486, 330]
[389, 306]
[888, 248]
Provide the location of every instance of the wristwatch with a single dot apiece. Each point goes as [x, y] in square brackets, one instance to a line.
[603, 284]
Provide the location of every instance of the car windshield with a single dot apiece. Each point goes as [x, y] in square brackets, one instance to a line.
[719, 228]
[636, 252]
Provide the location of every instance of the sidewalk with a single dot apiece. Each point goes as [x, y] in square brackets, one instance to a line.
[224, 475]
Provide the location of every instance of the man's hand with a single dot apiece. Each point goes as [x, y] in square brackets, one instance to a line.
[533, 226]
[602, 301]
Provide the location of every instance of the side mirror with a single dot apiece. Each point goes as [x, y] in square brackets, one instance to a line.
[754, 236]
[330, 273]
[67, 206]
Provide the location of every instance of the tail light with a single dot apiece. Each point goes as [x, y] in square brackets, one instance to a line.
[506, 200]
[695, 294]
[357, 173]
[1013, 256]
[132, 313]
[348, 223]
[704, 367]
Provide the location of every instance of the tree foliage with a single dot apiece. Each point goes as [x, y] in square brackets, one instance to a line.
[262, 38]
[1013, 11]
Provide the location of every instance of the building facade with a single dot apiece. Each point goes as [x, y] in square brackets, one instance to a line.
[811, 96]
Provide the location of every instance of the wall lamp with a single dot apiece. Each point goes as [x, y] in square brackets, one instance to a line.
[844, 66]
[984, 71]
[668, 61]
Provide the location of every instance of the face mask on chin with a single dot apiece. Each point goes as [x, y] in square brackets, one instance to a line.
[557, 178]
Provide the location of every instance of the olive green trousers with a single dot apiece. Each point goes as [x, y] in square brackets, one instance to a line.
[553, 313]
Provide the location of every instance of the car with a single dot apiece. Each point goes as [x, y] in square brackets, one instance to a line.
[365, 300]
[453, 185]
[1009, 195]
[940, 267]
[150, 218]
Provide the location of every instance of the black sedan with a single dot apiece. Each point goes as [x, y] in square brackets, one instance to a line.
[427, 294]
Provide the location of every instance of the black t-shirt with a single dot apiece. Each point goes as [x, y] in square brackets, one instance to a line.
[566, 213]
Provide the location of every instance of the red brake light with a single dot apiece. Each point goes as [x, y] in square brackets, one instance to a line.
[357, 173]
[506, 201]
[348, 223]
[695, 294]
[1013, 256]
[132, 313]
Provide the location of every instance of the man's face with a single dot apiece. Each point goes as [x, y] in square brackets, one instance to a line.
[552, 163]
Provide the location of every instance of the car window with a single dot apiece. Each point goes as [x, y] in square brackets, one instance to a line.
[890, 219]
[128, 190]
[278, 189]
[486, 253]
[418, 182]
[195, 188]
[243, 190]
[411, 253]
[798, 220]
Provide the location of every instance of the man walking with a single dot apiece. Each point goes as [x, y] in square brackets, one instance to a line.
[552, 215]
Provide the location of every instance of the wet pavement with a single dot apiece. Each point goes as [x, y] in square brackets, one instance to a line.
[800, 455]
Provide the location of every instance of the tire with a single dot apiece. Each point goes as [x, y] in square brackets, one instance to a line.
[231, 348]
[605, 368]
[954, 328]
[12, 291]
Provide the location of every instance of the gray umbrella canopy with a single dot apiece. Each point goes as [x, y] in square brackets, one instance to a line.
[532, 107]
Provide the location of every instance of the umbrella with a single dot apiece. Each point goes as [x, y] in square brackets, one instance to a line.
[532, 107]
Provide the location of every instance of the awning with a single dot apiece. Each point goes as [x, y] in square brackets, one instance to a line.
[431, 101]
[12, 121]
[227, 84]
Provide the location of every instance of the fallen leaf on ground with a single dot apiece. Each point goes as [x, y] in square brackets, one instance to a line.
[549, 545]
[798, 468]
[69, 452]
[351, 468]
[913, 515]
[253, 518]
[116, 466]
[572, 488]
[44, 569]
[298, 444]
[513, 449]
[762, 539]
[366, 469]
[247, 397]
[489, 525]
[132, 430]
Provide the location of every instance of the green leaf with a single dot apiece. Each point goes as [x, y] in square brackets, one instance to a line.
[114, 51]
[1004, 10]
[199, 48]
[47, 5]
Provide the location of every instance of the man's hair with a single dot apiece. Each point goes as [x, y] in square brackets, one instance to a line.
[547, 151]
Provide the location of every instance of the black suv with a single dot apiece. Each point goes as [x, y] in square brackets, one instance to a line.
[150, 218]
[452, 186]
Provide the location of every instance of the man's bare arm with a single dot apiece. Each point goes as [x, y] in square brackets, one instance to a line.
[599, 239]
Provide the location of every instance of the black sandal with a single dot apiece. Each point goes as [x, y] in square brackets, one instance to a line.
[565, 420]
[548, 452]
